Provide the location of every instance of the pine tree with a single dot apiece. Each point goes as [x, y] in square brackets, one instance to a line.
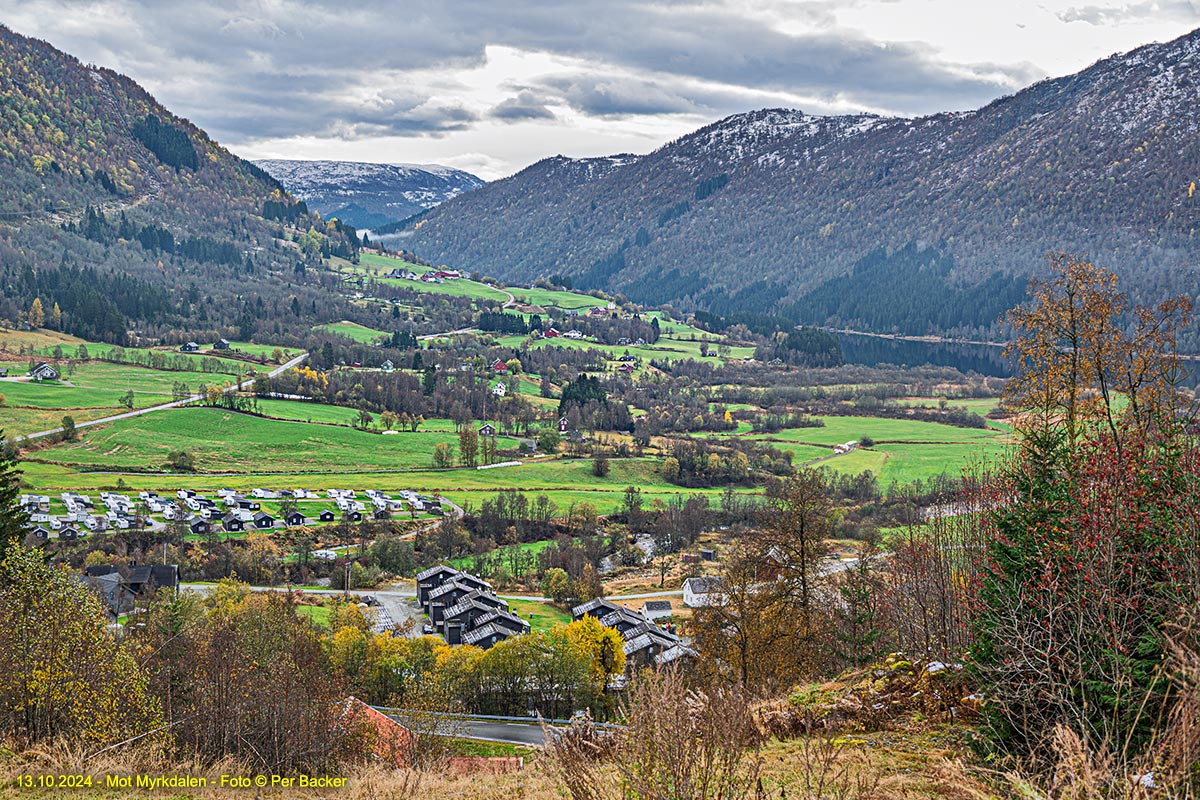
[12, 517]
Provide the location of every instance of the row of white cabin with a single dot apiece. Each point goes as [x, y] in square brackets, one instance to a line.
[190, 505]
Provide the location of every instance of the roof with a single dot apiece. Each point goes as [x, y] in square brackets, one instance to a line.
[504, 619]
[674, 653]
[653, 631]
[656, 605]
[465, 604]
[429, 573]
[639, 643]
[592, 605]
[622, 614]
[702, 585]
[391, 742]
[448, 587]
[484, 632]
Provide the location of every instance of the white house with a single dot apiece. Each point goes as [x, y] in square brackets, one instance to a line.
[700, 592]
[499, 390]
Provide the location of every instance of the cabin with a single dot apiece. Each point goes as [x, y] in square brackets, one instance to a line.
[487, 429]
[656, 609]
[550, 333]
[221, 344]
[293, 519]
[233, 524]
[499, 366]
[432, 578]
[563, 425]
[598, 608]
[199, 525]
[387, 366]
[263, 521]
[43, 372]
[327, 516]
[190, 347]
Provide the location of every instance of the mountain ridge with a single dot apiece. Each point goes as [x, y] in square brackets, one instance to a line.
[1099, 161]
[369, 194]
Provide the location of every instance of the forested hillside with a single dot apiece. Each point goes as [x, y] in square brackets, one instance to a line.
[779, 206]
[129, 218]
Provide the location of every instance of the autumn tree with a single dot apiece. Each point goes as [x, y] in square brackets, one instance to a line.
[1092, 551]
[756, 634]
[468, 446]
[604, 646]
[795, 524]
[443, 456]
[36, 316]
[62, 675]
[1085, 359]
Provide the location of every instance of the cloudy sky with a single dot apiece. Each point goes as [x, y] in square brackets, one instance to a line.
[493, 85]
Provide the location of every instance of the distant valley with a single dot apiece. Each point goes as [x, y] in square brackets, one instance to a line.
[368, 195]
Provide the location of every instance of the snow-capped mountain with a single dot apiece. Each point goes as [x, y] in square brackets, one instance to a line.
[764, 211]
[369, 195]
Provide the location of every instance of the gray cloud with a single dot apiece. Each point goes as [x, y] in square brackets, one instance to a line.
[248, 69]
[1146, 9]
[526, 105]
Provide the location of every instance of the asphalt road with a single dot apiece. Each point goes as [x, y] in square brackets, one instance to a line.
[488, 730]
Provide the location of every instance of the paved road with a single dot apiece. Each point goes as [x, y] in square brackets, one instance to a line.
[139, 412]
[509, 732]
[489, 730]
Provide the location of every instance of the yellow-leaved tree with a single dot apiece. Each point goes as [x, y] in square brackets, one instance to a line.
[604, 647]
[62, 673]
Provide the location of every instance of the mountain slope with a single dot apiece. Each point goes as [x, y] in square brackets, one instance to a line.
[131, 218]
[775, 204]
[369, 195]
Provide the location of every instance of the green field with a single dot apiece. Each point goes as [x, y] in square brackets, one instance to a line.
[228, 442]
[904, 450]
[540, 616]
[377, 266]
[352, 330]
[467, 562]
[554, 298]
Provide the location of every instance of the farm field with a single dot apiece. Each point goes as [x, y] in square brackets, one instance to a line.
[843, 429]
[665, 349]
[904, 450]
[352, 330]
[228, 442]
[377, 266]
[555, 299]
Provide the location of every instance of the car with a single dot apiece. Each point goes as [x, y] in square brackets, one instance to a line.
[426, 628]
